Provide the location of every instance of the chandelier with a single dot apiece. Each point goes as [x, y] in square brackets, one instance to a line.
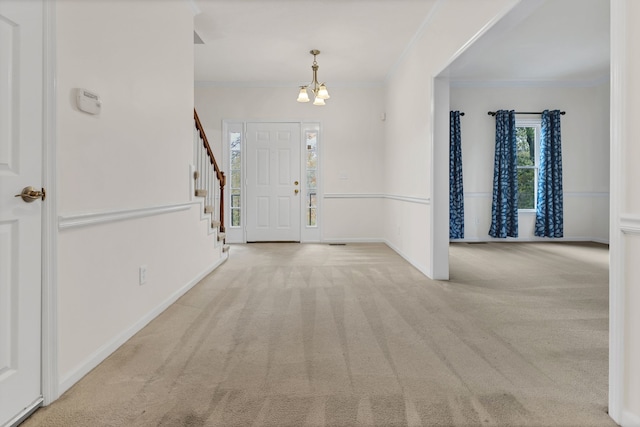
[319, 89]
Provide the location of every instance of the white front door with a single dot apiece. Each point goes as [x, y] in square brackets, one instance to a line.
[273, 182]
[21, 86]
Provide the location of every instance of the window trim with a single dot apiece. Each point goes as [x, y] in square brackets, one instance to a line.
[537, 124]
[240, 207]
[308, 208]
[234, 234]
[312, 233]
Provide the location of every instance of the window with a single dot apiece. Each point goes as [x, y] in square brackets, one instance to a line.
[528, 152]
[235, 163]
[311, 142]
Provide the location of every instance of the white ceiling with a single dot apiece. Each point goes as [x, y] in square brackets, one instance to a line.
[267, 42]
[542, 40]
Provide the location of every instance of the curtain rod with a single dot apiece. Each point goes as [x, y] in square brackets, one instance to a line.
[493, 113]
[461, 113]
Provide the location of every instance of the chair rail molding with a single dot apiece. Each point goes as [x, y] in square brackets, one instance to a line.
[75, 220]
[410, 199]
[630, 224]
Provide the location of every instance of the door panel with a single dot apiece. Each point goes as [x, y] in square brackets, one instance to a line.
[20, 222]
[284, 172]
[272, 171]
[262, 167]
[8, 289]
[262, 220]
[284, 212]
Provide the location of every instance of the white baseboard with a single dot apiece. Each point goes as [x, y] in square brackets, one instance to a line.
[103, 352]
[629, 419]
[427, 273]
[529, 239]
[422, 269]
[353, 240]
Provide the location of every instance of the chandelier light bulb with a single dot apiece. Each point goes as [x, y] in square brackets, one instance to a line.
[323, 93]
[303, 96]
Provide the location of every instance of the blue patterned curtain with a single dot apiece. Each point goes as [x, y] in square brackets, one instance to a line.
[549, 207]
[504, 207]
[456, 193]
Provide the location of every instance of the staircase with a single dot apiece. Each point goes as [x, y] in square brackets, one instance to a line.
[209, 182]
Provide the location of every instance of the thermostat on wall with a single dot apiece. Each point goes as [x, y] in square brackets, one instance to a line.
[88, 102]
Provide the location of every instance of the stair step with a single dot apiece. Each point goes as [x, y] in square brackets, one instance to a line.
[208, 209]
[201, 193]
[221, 237]
[225, 248]
[215, 223]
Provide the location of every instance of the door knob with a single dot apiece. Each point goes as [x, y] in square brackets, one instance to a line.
[296, 191]
[30, 194]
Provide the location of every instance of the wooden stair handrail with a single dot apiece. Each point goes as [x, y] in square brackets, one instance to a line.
[219, 174]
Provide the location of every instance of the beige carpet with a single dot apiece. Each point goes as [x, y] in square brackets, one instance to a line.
[318, 335]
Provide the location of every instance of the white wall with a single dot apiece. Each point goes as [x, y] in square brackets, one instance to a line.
[624, 356]
[350, 150]
[138, 56]
[585, 150]
[409, 129]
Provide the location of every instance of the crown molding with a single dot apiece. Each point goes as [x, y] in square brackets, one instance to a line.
[296, 85]
[514, 83]
[425, 23]
[193, 7]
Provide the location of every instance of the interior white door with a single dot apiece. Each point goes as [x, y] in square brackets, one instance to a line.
[273, 182]
[21, 85]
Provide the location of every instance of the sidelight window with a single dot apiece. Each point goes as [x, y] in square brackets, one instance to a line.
[311, 141]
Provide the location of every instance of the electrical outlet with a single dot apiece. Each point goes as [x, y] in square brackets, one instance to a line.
[143, 274]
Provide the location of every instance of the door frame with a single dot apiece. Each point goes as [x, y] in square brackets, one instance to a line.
[49, 328]
[239, 234]
[617, 231]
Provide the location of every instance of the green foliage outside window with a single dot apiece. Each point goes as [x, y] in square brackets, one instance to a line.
[526, 152]
[526, 189]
